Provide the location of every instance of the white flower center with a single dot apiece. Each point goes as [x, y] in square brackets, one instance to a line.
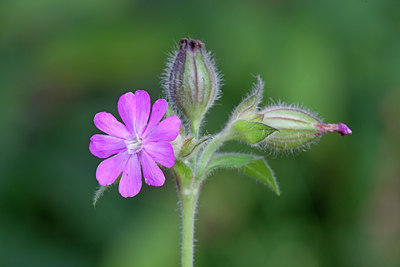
[134, 144]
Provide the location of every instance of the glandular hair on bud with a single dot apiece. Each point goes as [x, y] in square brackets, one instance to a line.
[192, 81]
[297, 128]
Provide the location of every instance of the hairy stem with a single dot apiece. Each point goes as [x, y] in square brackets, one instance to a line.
[189, 185]
[208, 152]
[189, 197]
[195, 127]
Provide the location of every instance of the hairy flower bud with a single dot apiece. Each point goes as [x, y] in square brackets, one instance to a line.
[193, 82]
[296, 127]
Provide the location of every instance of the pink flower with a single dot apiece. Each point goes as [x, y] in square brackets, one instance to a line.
[138, 144]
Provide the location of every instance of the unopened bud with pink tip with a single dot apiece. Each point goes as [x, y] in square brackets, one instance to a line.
[296, 127]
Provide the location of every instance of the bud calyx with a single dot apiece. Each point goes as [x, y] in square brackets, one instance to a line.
[193, 82]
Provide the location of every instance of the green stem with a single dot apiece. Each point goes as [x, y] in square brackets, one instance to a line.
[195, 124]
[189, 197]
[189, 185]
[209, 150]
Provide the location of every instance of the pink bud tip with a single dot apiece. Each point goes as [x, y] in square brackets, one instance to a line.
[343, 129]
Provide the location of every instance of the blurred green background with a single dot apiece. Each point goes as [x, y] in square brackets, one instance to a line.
[61, 62]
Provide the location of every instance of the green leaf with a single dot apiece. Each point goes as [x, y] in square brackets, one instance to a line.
[250, 132]
[250, 102]
[190, 145]
[253, 166]
[229, 161]
[260, 170]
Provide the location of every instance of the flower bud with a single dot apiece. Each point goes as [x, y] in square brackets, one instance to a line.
[193, 82]
[296, 127]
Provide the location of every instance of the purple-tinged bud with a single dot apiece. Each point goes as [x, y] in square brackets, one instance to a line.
[296, 127]
[341, 128]
[344, 129]
[193, 82]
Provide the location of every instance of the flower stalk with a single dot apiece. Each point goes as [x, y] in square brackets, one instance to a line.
[188, 191]
[207, 154]
[188, 204]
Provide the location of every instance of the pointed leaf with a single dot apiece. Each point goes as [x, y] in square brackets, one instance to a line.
[250, 132]
[260, 170]
[250, 102]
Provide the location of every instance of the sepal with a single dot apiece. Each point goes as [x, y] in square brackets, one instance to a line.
[193, 82]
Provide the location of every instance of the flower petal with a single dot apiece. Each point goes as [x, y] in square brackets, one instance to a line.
[103, 146]
[162, 152]
[151, 172]
[107, 123]
[131, 180]
[142, 110]
[126, 110]
[109, 170]
[157, 112]
[167, 130]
